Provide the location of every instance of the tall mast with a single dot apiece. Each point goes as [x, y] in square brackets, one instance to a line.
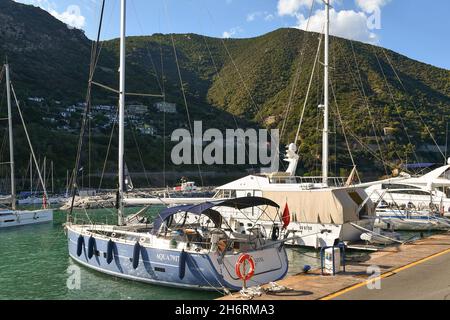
[325, 148]
[45, 173]
[67, 183]
[122, 111]
[53, 182]
[11, 138]
[31, 173]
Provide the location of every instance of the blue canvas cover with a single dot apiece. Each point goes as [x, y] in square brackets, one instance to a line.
[206, 209]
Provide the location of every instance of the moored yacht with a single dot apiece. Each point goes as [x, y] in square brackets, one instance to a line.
[426, 192]
[186, 246]
[319, 215]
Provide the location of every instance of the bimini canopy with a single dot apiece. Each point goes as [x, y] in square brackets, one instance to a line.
[206, 209]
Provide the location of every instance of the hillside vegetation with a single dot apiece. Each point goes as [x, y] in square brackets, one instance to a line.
[243, 81]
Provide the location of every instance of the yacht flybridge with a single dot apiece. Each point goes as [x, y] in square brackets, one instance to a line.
[426, 192]
[320, 213]
[13, 217]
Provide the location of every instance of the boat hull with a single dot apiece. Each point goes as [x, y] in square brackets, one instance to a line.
[39, 201]
[400, 220]
[164, 267]
[399, 224]
[315, 235]
[22, 218]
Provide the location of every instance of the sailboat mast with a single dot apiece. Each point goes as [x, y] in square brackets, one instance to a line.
[122, 111]
[325, 142]
[11, 138]
[53, 181]
[45, 173]
[31, 173]
[67, 183]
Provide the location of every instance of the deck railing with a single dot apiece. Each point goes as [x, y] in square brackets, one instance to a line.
[309, 182]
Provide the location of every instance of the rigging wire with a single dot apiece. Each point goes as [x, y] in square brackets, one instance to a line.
[343, 129]
[222, 85]
[255, 106]
[412, 102]
[95, 54]
[297, 135]
[133, 129]
[164, 114]
[305, 40]
[363, 95]
[375, 131]
[197, 160]
[28, 139]
[147, 47]
[108, 149]
[395, 104]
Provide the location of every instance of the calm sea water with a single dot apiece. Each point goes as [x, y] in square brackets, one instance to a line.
[34, 261]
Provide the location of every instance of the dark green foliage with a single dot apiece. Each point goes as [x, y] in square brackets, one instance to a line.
[243, 80]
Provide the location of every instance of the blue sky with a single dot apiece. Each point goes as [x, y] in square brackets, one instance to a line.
[416, 28]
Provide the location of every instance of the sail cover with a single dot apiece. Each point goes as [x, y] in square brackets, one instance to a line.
[333, 206]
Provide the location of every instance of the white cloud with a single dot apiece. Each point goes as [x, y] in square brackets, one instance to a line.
[252, 16]
[260, 14]
[71, 16]
[371, 5]
[345, 23]
[291, 7]
[232, 32]
[358, 24]
[269, 17]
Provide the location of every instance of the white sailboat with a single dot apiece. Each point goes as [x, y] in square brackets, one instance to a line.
[186, 246]
[13, 217]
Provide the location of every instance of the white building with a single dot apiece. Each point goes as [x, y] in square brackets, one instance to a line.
[36, 99]
[137, 110]
[166, 107]
[104, 108]
[148, 130]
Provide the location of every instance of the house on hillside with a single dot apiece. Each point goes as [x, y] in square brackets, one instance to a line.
[137, 110]
[36, 99]
[166, 107]
[147, 130]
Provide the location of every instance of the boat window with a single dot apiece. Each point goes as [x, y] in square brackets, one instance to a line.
[411, 192]
[446, 174]
[397, 186]
[356, 198]
[359, 201]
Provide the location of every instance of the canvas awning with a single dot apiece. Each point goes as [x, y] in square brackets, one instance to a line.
[206, 209]
[331, 206]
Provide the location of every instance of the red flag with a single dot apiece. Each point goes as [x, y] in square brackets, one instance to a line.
[286, 217]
